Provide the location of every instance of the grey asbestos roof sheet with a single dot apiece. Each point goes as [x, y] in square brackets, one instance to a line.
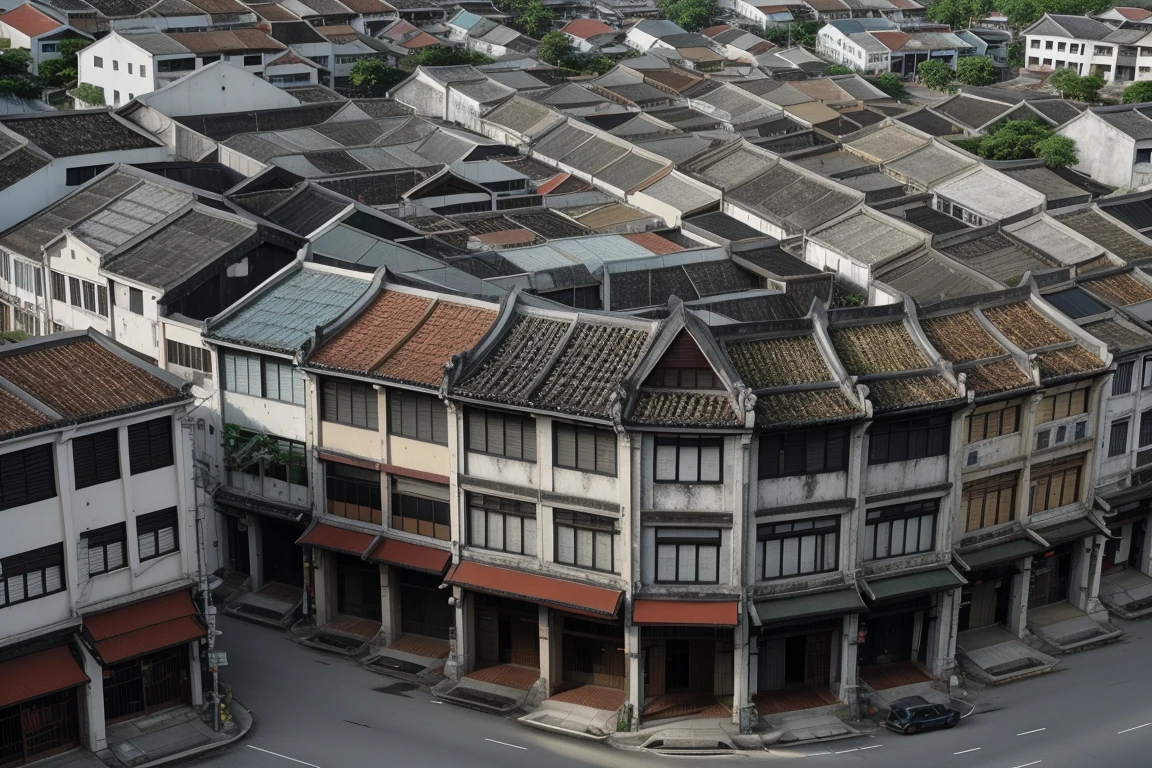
[1130, 121]
[561, 141]
[1097, 227]
[307, 211]
[180, 247]
[799, 201]
[518, 114]
[283, 318]
[733, 169]
[140, 209]
[156, 43]
[630, 172]
[867, 238]
[766, 306]
[997, 256]
[928, 278]
[930, 164]
[887, 143]
[67, 134]
[1047, 238]
[29, 236]
[928, 122]
[723, 225]
[595, 154]
[971, 112]
[679, 194]
[485, 91]
[1047, 183]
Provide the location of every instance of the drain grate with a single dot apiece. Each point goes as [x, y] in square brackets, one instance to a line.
[391, 664]
[397, 689]
[335, 641]
[1012, 667]
[255, 610]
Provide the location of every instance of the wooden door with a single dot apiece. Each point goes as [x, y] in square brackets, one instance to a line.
[656, 668]
[487, 637]
[771, 665]
[525, 641]
[982, 612]
[818, 659]
[701, 664]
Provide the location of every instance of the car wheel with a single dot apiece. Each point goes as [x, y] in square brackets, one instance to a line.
[910, 730]
[952, 723]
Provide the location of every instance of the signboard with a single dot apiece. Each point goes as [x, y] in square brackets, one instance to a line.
[217, 659]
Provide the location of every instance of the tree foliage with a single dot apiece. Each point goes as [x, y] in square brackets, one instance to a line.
[1024, 139]
[535, 20]
[61, 72]
[691, 15]
[935, 74]
[1139, 92]
[1021, 13]
[15, 61]
[374, 77]
[838, 69]
[1074, 86]
[586, 65]
[442, 56]
[554, 47]
[19, 87]
[975, 70]
[891, 85]
[958, 14]
[89, 94]
[798, 33]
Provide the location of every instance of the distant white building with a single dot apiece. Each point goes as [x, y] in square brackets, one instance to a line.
[28, 27]
[1089, 47]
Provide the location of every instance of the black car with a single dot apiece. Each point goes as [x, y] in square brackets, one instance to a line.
[916, 713]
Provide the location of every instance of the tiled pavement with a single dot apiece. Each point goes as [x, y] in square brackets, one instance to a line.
[507, 675]
[792, 699]
[893, 675]
[595, 696]
[685, 705]
[417, 645]
[351, 625]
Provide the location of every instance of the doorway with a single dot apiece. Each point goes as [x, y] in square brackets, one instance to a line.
[1051, 572]
[283, 560]
[357, 588]
[985, 600]
[507, 632]
[35, 729]
[147, 684]
[592, 652]
[424, 608]
[237, 545]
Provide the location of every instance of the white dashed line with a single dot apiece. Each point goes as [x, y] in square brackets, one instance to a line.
[874, 746]
[277, 754]
[1034, 762]
[846, 751]
[505, 744]
[1035, 731]
[966, 751]
[1133, 729]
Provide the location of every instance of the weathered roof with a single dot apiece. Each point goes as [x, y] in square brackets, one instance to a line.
[799, 201]
[779, 362]
[972, 112]
[1118, 334]
[1047, 237]
[650, 287]
[867, 237]
[1096, 226]
[681, 195]
[961, 338]
[549, 363]
[732, 168]
[226, 41]
[183, 245]
[1024, 326]
[886, 143]
[1131, 121]
[284, 315]
[1120, 289]
[996, 255]
[404, 337]
[78, 376]
[796, 408]
[989, 194]
[67, 134]
[28, 237]
[929, 165]
[684, 409]
[929, 277]
[1047, 182]
[877, 348]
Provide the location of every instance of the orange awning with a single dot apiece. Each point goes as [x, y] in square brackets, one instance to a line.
[39, 674]
[337, 539]
[715, 613]
[558, 593]
[414, 556]
[140, 628]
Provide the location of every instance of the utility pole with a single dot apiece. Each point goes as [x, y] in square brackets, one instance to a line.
[199, 485]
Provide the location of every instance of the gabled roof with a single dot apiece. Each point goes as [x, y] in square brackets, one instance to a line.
[225, 41]
[963, 339]
[1073, 27]
[73, 377]
[1102, 229]
[283, 313]
[400, 335]
[86, 132]
[29, 20]
[586, 28]
[1057, 353]
[868, 237]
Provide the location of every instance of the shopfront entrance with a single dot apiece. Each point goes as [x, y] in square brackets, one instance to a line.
[146, 684]
[1051, 572]
[507, 632]
[801, 656]
[357, 588]
[986, 599]
[38, 728]
[687, 660]
[282, 560]
[424, 608]
[894, 631]
[592, 652]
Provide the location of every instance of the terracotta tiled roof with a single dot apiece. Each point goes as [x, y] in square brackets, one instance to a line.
[422, 40]
[39, 674]
[81, 378]
[337, 539]
[1134, 14]
[586, 28]
[960, 338]
[551, 184]
[893, 41]
[687, 409]
[143, 627]
[224, 41]
[991, 378]
[561, 593]
[889, 394]
[337, 33]
[792, 408]
[877, 348]
[779, 362]
[713, 31]
[30, 20]
[17, 416]
[654, 243]
[1066, 361]
[368, 6]
[1121, 289]
[1024, 326]
[273, 12]
[401, 336]
[507, 237]
[415, 556]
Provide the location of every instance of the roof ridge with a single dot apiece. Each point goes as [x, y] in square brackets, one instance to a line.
[406, 337]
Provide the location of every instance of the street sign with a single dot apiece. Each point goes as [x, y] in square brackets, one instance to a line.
[217, 659]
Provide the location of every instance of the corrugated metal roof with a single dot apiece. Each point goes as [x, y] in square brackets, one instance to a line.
[283, 317]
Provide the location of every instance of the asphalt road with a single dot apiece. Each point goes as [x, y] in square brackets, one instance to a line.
[323, 711]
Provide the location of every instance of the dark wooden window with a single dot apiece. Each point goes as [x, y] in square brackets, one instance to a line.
[187, 356]
[688, 555]
[789, 454]
[349, 402]
[96, 458]
[1118, 438]
[908, 439]
[27, 476]
[586, 541]
[798, 547]
[990, 501]
[588, 449]
[505, 525]
[107, 548]
[502, 434]
[1056, 483]
[158, 533]
[1002, 420]
[150, 445]
[136, 301]
[32, 574]
[689, 460]
[418, 416]
[353, 493]
[900, 529]
[419, 511]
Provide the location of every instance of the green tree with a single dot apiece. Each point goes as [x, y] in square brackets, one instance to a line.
[838, 69]
[1057, 151]
[442, 56]
[535, 20]
[89, 94]
[958, 14]
[1139, 92]
[374, 77]
[57, 73]
[891, 85]
[935, 74]
[554, 46]
[1014, 140]
[18, 87]
[15, 61]
[975, 70]
[1066, 81]
[1089, 89]
[692, 15]
[68, 48]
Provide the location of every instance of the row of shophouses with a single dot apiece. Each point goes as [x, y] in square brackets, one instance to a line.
[657, 505]
[660, 503]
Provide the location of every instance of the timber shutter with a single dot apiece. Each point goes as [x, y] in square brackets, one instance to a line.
[150, 445]
[26, 476]
[96, 458]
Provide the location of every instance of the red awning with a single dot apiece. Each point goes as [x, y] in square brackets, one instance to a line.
[559, 593]
[337, 539]
[39, 674]
[414, 556]
[140, 628]
[716, 613]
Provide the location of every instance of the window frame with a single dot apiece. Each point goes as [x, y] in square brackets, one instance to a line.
[361, 485]
[593, 524]
[1123, 377]
[1118, 441]
[699, 541]
[983, 488]
[103, 470]
[153, 524]
[1062, 468]
[435, 513]
[679, 443]
[161, 452]
[332, 405]
[818, 528]
[188, 356]
[578, 430]
[516, 510]
[875, 517]
[800, 440]
[10, 496]
[939, 423]
[525, 424]
[437, 416]
[992, 420]
[101, 540]
[33, 561]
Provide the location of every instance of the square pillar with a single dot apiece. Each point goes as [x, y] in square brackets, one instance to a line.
[848, 688]
[325, 574]
[195, 677]
[460, 654]
[544, 634]
[1018, 601]
[635, 662]
[95, 733]
[942, 634]
[389, 605]
[741, 698]
[255, 550]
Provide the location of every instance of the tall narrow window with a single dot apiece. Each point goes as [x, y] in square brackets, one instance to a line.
[96, 458]
[990, 501]
[901, 529]
[798, 547]
[588, 449]
[689, 460]
[1118, 438]
[688, 555]
[506, 525]
[106, 548]
[586, 541]
[150, 445]
[418, 416]
[27, 476]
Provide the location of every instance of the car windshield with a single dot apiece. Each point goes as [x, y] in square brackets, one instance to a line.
[899, 714]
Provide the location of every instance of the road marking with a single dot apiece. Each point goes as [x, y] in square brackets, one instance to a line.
[505, 744]
[1035, 731]
[1133, 729]
[846, 751]
[1034, 762]
[277, 754]
[353, 722]
[966, 751]
[874, 746]
[969, 712]
[435, 702]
